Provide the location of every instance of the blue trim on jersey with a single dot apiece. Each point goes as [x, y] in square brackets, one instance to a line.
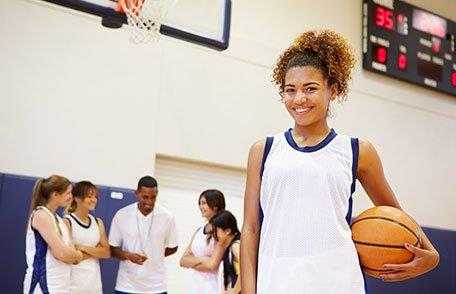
[39, 264]
[355, 151]
[355, 156]
[332, 134]
[348, 216]
[267, 148]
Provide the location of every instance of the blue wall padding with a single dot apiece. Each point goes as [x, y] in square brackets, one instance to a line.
[15, 194]
[106, 209]
[14, 205]
[1, 184]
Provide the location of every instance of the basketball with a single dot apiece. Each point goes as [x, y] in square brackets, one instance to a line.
[380, 234]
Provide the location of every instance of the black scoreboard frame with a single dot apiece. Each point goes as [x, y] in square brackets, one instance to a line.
[422, 64]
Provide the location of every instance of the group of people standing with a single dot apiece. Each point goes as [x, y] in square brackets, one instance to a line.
[63, 252]
[296, 235]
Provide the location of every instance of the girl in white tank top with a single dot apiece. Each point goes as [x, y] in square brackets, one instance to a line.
[88, 236]
[296, 236]
[203, 255]
[48, 251]
[203, 282]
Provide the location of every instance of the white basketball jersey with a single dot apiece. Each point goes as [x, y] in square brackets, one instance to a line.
[45, 274]
[85, 276]
[305, 241]
[204, 282]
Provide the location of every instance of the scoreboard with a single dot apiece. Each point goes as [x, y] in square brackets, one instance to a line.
[409, 43]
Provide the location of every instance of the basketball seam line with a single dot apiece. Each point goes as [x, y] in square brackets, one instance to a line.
[391, 220]
[383, 245]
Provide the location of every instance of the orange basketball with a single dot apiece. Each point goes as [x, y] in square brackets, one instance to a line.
[380, 234]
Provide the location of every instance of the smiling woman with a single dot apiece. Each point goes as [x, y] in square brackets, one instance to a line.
[48, 250]
[89, 236]
[297, 205]
[204, 255]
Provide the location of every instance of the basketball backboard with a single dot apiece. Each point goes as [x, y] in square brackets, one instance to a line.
[204, 22]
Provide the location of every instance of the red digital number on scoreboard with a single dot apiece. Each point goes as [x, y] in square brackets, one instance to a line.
[384, 18]
[381, 54]
[453, 78]
[402, 61]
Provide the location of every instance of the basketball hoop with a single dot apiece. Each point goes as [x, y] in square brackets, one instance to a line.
[144, 18]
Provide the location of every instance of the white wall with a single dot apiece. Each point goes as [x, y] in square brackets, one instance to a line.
[81, 100]
[74, 100]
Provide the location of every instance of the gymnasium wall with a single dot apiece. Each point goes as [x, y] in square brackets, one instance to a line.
[75, 100]
[79, 99]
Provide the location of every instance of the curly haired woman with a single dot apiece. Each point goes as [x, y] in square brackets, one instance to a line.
[296, 236]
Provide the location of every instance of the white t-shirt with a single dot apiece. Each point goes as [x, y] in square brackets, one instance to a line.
[147, 235]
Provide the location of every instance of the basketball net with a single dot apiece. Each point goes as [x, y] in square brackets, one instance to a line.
[144, 18]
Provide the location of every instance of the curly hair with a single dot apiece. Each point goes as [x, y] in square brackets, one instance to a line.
[326, 51]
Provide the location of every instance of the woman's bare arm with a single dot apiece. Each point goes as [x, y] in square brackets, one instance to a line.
[371, 176]
[45, 225]
[186, 260]
[102, 250]
[251, 228]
